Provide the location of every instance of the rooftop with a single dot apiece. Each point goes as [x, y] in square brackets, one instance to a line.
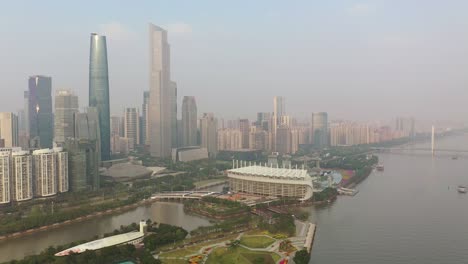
[271, 172]
[102, 243]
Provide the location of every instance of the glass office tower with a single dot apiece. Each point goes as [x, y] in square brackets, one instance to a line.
[40, 111]
[99, 89]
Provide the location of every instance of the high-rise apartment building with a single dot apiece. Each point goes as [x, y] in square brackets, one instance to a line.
[116, 127]
[244, 127]
[259, 139]
[40, 111]
[263, 121]
[144, 119]
[283, 139]
[229, 139]
[189, 121]
[161, 94]
[66, 105]
[45, 175]
[9, 129]
[5, 196]
[21, 176]
[132, 126]
[99, 89]
[319, 129]
[208, 133]
[61, 169]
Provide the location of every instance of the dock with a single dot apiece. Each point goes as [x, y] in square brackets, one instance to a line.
[347, 191]
[309, 241]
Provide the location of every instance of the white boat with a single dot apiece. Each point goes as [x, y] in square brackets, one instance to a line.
[461, 189]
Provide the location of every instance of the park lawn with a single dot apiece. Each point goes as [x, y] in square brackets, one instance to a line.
[206, 182]
[275, 257]
[191, 250]
[180, 253]
[174, 261]
[240, 255]
[256, 241]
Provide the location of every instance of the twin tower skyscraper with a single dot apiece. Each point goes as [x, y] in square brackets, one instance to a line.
[162, 109]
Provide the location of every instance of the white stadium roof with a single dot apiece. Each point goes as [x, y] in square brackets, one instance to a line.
[102, 243]
[271, 172]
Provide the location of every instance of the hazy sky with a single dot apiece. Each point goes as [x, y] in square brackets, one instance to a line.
[354, 59]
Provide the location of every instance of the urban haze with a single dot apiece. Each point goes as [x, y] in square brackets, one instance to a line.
[233, 132]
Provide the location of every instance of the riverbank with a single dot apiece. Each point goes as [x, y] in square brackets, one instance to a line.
[213, 216]
[79, 219]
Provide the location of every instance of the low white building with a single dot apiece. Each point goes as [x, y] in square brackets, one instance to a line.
[127, 238]
[186, 154]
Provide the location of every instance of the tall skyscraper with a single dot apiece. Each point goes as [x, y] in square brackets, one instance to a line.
[319, 129]
[174, 114]
[279, 110]
[189, 121]
[279, 106]
[40, 111]
[144, 119]
[9, 129]
[26, 113]
[66, 105]
[83, 163]
[99, 89]
[208, 133]
[160, 108]
[132, 126]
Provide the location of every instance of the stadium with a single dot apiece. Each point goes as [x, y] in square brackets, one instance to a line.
[269, 181]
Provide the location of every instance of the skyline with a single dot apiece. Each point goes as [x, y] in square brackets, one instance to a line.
[394, 64]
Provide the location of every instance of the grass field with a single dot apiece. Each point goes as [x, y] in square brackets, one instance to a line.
[240, 255]
[256, 241]
[174, 261]
[194, 249]
[199, 184]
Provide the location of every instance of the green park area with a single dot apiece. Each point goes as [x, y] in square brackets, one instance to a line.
[239, 255]
[215, 206]
[260, 241]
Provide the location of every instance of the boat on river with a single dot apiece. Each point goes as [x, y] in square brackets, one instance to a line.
[380, 167]
[461, 189]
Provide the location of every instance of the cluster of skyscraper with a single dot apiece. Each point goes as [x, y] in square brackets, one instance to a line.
[37, 128]
[93, 135]
[158, 127]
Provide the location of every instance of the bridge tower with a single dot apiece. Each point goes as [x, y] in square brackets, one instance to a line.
[432, 141]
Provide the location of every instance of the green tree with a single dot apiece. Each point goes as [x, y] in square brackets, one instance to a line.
[302, 257]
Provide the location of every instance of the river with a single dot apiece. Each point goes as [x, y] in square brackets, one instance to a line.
[161, 212]
[411, 213]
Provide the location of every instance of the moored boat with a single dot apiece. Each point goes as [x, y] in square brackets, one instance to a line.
[461, 189]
